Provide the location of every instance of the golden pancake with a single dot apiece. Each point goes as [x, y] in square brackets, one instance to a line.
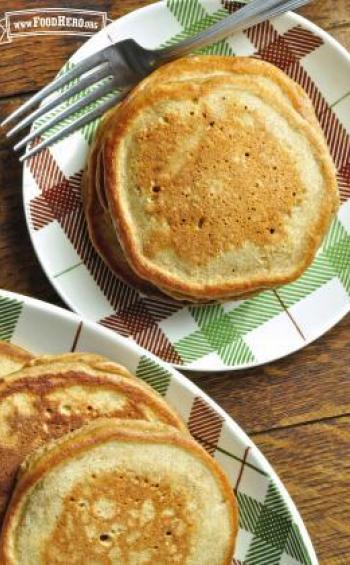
[45, 401]
[114, 493]
[102, 232]
[218, 187]
[183, 70]
[12, 358]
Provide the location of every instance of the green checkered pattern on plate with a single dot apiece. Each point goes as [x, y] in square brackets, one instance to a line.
[271, 525]
[194, 18]
[332, 262]
[153, 374]
[223, 333]
[10, 311]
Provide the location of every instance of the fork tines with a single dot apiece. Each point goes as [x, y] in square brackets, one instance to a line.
[79, 89]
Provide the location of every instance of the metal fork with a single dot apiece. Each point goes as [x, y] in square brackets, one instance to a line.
[120, 66]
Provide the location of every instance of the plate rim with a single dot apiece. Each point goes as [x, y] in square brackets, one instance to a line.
[322, 330]
[184, 383]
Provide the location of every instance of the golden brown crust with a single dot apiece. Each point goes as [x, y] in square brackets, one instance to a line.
[143, 267]
[118, 247]
[105, 239]
[97, 434]
[43, 402]
[106, 243]
[135, 390]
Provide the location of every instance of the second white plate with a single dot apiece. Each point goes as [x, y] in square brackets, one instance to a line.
[271, 530]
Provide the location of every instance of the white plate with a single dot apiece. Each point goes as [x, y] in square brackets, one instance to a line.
[271, 530]
[238, 334]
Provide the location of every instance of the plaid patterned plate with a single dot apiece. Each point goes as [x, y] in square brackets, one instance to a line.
[237, 334]
[271, 530]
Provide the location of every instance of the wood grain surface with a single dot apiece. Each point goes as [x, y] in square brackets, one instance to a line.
[297, 410]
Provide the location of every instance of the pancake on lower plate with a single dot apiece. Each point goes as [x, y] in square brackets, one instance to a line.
[113, 493]
[47, 400]
[12, 358]
[219, 186]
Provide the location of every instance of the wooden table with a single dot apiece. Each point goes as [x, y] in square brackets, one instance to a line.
[297, 410]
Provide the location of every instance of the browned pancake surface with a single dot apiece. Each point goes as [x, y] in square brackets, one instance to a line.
[43, 403]
[217, 187]
[209, 183]
[195, 213]
[136, 524]
[120, 492]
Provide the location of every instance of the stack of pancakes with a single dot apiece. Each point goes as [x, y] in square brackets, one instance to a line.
[96, 467]
[211, 180]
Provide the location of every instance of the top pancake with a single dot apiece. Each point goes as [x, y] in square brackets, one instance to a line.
[219, 183]
[101, 229]
[134, 493]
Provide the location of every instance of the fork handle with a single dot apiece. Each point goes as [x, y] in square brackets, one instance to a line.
[251, 14]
